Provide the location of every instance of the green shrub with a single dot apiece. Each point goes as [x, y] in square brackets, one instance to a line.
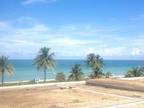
[135, 72]
[108, 74]
[60, 77]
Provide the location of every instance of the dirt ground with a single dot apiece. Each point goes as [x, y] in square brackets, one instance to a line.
[132, 94]
[136, 106]
[78, 96]
[56, 98]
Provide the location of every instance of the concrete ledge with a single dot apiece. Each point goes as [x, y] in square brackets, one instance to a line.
[42, 85]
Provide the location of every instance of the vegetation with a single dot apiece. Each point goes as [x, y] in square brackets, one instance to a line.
[44, 61]
[135, 72]
[108, 74]
[60, 77]
[96, 63]
[76, 73]
[5, 67]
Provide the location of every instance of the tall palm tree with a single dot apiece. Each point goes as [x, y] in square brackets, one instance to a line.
[96, 63]
[135, 72]
[5, 67]
[44, 60]
[76, 73]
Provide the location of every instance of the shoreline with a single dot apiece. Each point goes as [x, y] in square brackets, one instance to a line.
[41, 80]
[122, 77]
[24, 81]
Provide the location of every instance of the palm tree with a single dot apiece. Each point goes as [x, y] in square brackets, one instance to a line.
[76, 73]
[5, 67]
[96, 63]
[44, 60]
[135, 72]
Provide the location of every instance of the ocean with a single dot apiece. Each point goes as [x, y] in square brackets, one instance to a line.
[25, 70]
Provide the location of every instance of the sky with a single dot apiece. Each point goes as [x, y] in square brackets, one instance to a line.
[72, 29]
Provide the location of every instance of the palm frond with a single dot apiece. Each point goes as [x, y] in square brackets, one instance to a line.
[44, 59]
[76, 73]
[5, 66]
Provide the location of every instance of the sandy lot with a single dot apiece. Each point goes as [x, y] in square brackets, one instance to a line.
[75, 97]
[132, 94]
[137, 106]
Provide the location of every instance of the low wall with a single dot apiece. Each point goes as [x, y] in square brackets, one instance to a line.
[117, 84]
[42, 85]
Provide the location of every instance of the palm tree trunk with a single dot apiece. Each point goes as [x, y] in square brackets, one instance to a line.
[2, 80]
[44, 75]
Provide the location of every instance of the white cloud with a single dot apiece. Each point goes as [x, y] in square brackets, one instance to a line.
[3, 24]
[67, 41]
[137, 52]
[28, 2]
[25, 19]
[85, 30]
[106, 52]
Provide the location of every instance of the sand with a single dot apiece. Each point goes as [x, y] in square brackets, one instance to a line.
[56, 98]
[69, 95]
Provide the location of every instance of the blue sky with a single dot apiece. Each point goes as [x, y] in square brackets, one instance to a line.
[72, 28]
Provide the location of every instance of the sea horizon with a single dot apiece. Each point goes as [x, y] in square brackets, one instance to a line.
[83, 59]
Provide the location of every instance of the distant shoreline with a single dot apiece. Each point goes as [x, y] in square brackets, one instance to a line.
[23, 81]
[122, 77]
[41, 80]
